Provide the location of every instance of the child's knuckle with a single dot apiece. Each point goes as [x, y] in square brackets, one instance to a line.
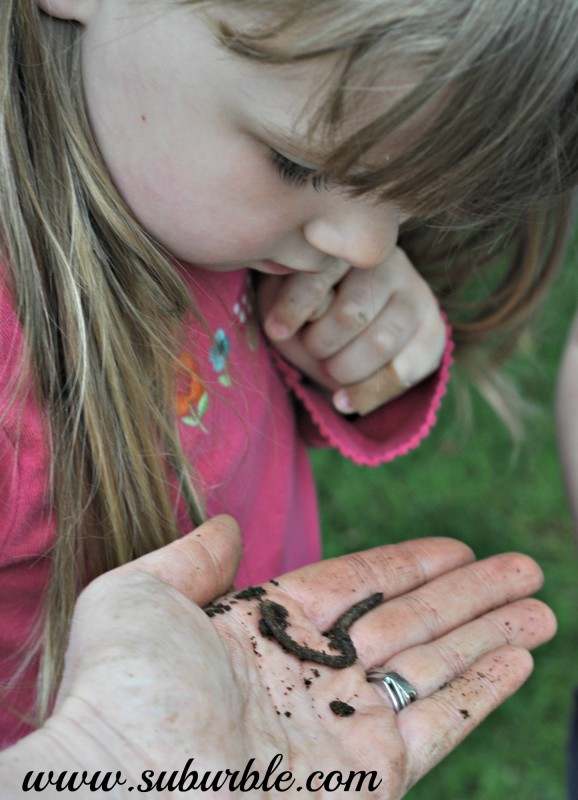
[351, 316]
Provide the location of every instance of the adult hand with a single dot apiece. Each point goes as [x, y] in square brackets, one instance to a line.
[366, 335]
[152, 681]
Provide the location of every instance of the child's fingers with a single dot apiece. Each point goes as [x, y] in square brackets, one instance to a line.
[361, 298]
[371, 334]
[325, 305]
[416, 359]
[363, 398]
[415, 343]
[286, 304]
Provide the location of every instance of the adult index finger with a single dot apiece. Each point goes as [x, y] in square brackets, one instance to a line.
[327, 589]
[444, 604]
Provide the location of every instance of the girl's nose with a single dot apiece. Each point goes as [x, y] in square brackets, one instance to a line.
[354, 230]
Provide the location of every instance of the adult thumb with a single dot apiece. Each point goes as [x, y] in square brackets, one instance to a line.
[202, 565]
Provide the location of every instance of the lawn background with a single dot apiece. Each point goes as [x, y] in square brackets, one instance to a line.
[472, 487]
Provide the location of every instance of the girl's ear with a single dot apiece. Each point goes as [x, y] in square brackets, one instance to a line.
[78, 10]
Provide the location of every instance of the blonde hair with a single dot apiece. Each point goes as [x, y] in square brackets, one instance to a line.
[102, 306]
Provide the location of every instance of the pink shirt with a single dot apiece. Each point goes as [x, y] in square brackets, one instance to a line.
[245, 426]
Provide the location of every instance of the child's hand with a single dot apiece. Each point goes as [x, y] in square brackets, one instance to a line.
[366, 335]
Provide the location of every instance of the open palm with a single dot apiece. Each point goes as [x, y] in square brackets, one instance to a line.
[154, 683]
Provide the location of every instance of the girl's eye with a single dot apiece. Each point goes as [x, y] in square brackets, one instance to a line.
[296, 174]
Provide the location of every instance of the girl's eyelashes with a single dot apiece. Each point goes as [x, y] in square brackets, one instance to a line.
[296, 174]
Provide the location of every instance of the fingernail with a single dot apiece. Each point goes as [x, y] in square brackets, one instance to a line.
[341, 402]
[276, 330]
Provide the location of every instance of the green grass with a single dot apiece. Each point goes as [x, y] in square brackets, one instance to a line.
[471, 487]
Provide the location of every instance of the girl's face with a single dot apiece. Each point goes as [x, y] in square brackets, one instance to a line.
[209, 150]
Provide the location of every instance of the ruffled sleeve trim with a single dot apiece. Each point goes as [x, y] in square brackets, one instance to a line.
[392, 430]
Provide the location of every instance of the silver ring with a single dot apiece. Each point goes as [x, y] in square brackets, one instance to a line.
[400, 692]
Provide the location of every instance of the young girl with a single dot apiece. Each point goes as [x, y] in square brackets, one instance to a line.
[152, 154]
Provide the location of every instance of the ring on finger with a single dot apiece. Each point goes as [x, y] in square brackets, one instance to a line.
[400, 692]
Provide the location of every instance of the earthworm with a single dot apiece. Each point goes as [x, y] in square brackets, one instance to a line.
[273, 623]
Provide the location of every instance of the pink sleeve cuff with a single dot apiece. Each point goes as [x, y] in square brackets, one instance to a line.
[391, 431]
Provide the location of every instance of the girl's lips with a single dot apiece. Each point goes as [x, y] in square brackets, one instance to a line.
[273, 268]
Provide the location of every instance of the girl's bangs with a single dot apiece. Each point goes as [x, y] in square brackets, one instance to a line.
[502, 132]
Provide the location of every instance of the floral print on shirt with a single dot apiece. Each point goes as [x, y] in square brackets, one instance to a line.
[219, 356]
[192, 399]
[243, 311]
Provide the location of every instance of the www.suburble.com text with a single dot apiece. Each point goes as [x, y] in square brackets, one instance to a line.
[190, 779]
